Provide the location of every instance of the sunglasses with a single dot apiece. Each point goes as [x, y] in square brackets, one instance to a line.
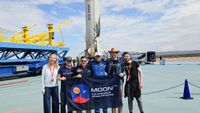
[83, 60]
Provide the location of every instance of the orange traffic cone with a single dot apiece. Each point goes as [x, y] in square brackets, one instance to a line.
[186, 92]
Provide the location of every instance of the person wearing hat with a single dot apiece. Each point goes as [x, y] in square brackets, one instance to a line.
[114, 68]
[64, 73]
[98, 68]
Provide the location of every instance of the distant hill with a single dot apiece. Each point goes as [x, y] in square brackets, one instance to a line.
[179, 53]
[186, 53]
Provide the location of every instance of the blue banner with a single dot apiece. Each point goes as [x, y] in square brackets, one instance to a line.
[93, 92]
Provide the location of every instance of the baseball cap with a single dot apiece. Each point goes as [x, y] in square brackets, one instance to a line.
[98, 54]
[68, 58]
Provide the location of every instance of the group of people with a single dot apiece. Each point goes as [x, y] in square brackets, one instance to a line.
[128, 70]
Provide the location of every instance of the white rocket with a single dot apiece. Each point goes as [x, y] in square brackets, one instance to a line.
[92, 13]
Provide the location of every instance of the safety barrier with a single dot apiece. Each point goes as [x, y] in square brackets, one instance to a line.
[173, 87]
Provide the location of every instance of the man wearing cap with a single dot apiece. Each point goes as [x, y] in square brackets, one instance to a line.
[114, 68]
[65, 73]
[98, 68]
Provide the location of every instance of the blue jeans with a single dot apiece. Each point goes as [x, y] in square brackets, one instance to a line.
[97, 110]
[51, 92]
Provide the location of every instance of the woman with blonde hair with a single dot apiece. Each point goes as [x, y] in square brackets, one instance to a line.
[50, 84]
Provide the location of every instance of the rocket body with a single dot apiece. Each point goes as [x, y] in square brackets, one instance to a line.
[92, 14]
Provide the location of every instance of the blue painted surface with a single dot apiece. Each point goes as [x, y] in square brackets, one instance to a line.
[21, 60]
[6, 71]
[32, 56]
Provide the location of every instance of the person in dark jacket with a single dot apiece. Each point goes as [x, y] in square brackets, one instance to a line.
[114, 68]
[81, 71]
[98, 68]
[65, 73]
[134, 82]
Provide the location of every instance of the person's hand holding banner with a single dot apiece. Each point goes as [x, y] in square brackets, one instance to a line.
[121, 75]
[79, 76]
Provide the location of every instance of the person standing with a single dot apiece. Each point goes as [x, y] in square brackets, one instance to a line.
[134, 82]
[65, 73]
[81, 71]
[50, 84]
[98, 68]
[114, 68]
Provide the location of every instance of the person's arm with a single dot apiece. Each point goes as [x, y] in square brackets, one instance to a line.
[77, 76]
[108, 67]
[77, 73]
[43, 79]
[60, 78]
[140, 77]
[122, 70]
[59, 75]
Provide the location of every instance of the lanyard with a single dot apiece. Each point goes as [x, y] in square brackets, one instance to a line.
[52, 72]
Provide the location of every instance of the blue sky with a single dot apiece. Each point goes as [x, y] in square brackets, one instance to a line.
[129, 25]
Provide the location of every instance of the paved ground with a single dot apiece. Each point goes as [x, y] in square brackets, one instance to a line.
[163, 87]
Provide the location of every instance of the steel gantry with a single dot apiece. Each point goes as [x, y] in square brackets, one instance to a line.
[21, 53]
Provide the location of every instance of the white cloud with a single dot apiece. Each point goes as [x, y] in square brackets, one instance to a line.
[16, 15]
[50, 2]
[177, 29]
[117, 5]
